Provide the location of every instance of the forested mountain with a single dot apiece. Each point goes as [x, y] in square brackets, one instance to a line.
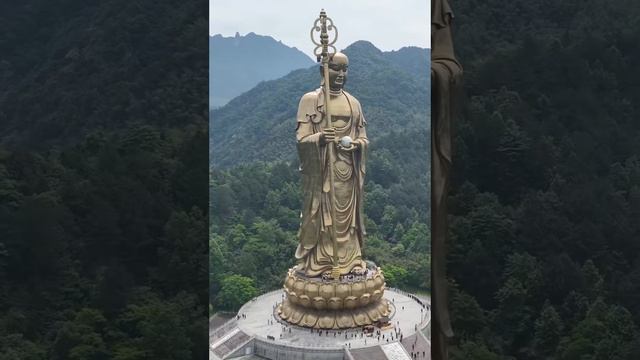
[65, 73]
[103, 171]
[411, 59]
[393, 92]
[545, 248]
[239, 63]
[255, 183]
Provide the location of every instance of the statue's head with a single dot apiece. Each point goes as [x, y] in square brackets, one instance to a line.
[338, 66]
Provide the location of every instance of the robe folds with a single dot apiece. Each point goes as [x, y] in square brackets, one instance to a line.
[315, 251]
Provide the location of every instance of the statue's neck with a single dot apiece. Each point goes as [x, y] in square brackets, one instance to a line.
[335, 92]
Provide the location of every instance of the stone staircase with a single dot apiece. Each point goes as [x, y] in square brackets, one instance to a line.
[227, 344]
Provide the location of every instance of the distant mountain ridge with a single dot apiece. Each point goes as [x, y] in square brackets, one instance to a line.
[239, 63]
[393, 87]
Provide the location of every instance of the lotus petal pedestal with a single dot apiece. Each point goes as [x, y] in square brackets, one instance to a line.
[351, 301]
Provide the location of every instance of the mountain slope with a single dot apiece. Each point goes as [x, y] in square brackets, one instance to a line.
[411, 59]
[239, 63]
[259, 124]
[64, 74]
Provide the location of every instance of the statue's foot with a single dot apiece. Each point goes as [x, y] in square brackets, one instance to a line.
[358, 270]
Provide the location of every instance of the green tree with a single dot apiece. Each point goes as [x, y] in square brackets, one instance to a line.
[606, 332]
[473, 350]
[469, 317]
[548, 330]
[593, 281]
[417, 238]
[154, 328]
[183, 254]
[82, 337]
[389, 220]
[15, 346]
[235, 290]
[522, 283]
[394, 275]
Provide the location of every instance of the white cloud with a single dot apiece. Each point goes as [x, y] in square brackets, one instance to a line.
[388, 24]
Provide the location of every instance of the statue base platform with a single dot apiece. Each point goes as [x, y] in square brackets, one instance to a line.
[259, 330]
[348, 302]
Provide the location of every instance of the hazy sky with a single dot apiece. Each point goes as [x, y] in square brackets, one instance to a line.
[388, 24]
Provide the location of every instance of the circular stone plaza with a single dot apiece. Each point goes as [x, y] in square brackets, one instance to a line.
[257, 332]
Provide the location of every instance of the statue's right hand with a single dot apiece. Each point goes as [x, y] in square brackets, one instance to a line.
[328, 135]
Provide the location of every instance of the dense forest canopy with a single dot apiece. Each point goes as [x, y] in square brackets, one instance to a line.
[255, 183]
[103, 172]
[544, 253]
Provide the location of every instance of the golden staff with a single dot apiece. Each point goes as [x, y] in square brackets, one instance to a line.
[323, 24]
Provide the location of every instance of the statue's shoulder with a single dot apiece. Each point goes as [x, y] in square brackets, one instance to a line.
[352, 98]
[308, 104]
[310, 96]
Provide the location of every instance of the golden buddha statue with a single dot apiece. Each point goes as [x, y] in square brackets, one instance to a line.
[348, 136]
[332, 287]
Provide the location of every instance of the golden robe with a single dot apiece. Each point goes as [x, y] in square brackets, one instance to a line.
[315, 248]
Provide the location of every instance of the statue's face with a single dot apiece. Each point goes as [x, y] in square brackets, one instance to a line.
[338, 71]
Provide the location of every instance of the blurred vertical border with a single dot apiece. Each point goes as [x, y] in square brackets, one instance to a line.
[103, 179]
[543, 251]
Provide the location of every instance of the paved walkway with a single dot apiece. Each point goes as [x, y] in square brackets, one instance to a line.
[257, 319]
[417, 347]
